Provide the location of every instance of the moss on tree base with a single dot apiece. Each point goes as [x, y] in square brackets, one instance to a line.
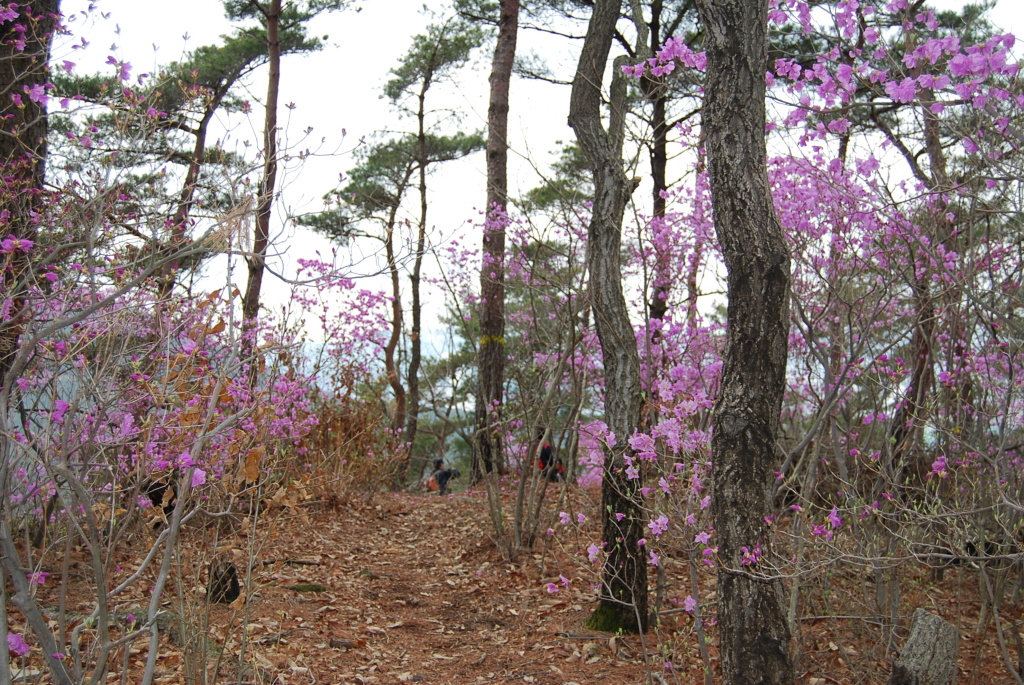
[607, 619]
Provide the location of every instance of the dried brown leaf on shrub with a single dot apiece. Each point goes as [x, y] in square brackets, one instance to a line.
[252, 463]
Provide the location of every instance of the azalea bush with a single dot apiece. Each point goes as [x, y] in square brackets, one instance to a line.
[900, 424]
[133, 411]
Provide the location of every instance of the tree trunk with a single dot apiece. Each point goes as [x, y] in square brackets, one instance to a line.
[186, 200]
[415, 343]
[662, 279]
[909, 417]
[656, 92]
[257, 259]
[390, 366]
[755, 635]
[624, 593]
[22, 154]
[487, 452]
[23, 160]
[929, 657]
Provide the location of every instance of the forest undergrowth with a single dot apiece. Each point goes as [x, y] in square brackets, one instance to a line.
[407, 587]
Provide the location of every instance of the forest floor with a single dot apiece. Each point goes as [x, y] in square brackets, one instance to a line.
[411, 588]
[417, 592]
[399, 588]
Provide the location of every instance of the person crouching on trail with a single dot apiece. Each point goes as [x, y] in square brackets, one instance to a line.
[550, 468]
[438, 481]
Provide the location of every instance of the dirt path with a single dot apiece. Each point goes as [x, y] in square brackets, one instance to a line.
[415, 592]
[410, 588]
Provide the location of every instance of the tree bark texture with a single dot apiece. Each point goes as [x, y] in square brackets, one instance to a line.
[908, 420]
[23, 129]
[23, 150]
[23, 159]
[754, 632]
[656, 92]
[390, 365]
[415, 343]
[624, 595]
[186, 200]
[491, 354]
[929, 657]
[265, 204]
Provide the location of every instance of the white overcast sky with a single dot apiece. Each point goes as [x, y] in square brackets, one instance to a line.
[337, 92]
[338, 89]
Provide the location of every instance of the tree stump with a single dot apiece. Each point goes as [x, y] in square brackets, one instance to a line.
[224, 587]
[929, 657]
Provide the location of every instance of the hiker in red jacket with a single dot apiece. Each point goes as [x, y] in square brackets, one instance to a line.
[550, 468]
[438, 481]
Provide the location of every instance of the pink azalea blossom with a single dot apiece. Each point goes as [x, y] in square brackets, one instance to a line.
[16, 644]
[37, 94]
[904, 91]
[38, 578]
[658, 526]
